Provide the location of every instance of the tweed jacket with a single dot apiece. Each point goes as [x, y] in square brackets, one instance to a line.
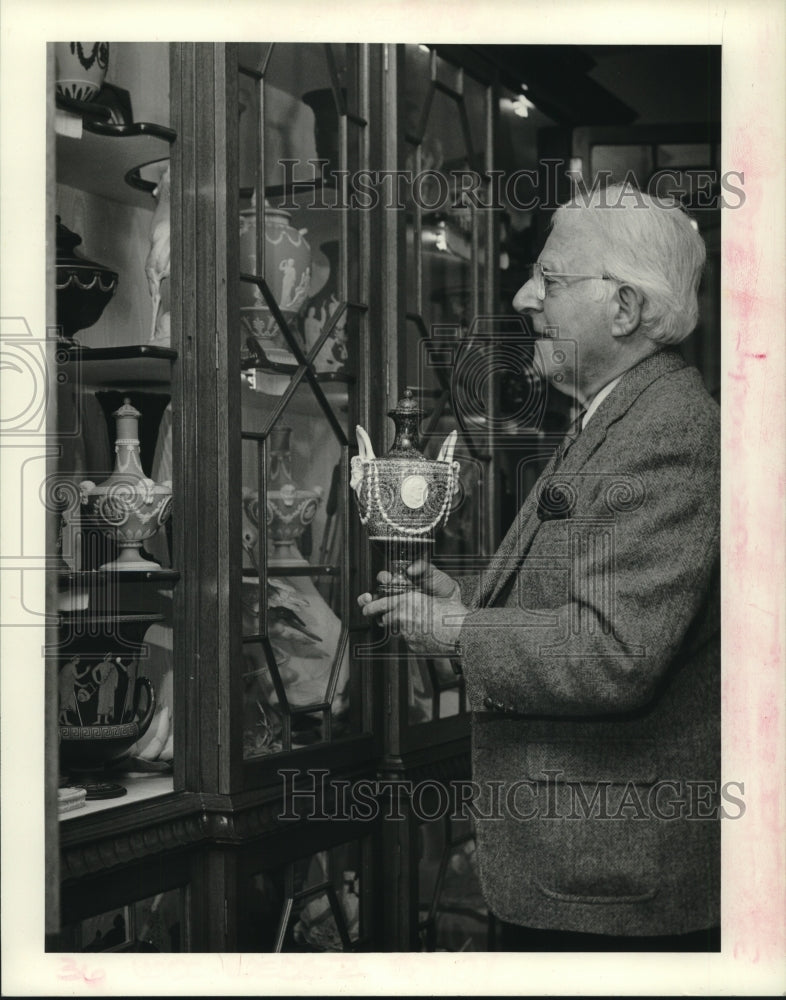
[591, 657]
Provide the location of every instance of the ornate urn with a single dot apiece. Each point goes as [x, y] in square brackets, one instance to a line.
[287, 273]
[404, 498]
[83, 287]
[104, 710]
[80, 69]
[289, 512]
[104, 704]
[128, 506]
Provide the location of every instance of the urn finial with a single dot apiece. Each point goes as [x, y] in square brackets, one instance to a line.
[407, 416]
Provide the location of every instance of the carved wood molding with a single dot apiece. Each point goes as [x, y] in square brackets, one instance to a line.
[222, 821]
[211, 824]
[110, 852]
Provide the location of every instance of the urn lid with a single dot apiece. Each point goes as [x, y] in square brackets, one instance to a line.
[127, 410]
[271, 211]
[66, 257]
[407, 416]
[127, 423]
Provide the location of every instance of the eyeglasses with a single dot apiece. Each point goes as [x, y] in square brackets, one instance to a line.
[540, 277]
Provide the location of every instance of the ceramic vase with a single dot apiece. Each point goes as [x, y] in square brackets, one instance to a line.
[80, 69]
[83, 287]
[104, 710]
[287, 273]
[290, 510]
[333, 355]
[104, 704]
[404, 498]
[128, 505]
[326, 139]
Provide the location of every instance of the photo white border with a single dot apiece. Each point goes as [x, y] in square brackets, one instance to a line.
[753, 35]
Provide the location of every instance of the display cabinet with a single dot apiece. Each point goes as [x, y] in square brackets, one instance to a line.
[266, 292]
[110, 489]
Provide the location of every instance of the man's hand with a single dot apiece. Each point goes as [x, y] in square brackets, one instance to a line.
[430, 618]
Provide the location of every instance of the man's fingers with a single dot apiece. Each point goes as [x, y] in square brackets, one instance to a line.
[384, 577]
[365, 599]
[380, 606]
[418, 568]
[430, 579]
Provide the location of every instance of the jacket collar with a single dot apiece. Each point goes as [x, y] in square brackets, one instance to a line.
[630, 386]
[519, 537]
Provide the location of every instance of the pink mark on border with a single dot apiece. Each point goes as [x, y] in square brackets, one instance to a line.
[71, 971]
[753, 717]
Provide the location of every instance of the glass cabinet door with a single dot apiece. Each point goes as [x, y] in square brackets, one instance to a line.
[446, 122]
[302, 333]
[111, 485]
[310, 900]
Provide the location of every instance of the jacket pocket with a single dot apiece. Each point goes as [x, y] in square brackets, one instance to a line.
[614, 761]
[594, 839]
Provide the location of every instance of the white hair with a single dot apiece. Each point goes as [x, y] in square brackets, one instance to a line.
[649, 243]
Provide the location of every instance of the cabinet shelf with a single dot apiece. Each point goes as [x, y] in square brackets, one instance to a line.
[99, 160]
[102, 578]
[139, 788]
[295, 569]
[96, 621]
[334, 386]
[137, 365]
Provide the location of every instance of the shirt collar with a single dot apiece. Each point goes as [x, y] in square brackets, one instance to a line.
[597, 400]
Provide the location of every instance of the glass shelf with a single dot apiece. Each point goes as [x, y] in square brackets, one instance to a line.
[98, 160]
[137, 365]
[263, 390]
[67, 617]
[294, 569]
[103, 578]
[101, 626]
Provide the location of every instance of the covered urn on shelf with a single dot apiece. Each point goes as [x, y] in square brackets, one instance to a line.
[289, 511]
[80, 69]
[128, 505]
[287, 273]
[83, 287]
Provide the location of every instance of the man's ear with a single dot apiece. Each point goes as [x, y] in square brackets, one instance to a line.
[627, 316]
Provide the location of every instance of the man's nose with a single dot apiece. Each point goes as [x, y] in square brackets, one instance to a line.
[525, 300]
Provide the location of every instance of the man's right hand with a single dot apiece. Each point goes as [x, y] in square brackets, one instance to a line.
[429, 616]
[426, 577]
[431, 580]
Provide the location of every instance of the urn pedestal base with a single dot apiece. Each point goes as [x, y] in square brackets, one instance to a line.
[399, 554]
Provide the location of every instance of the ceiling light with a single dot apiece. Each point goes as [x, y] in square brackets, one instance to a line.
[521, 106]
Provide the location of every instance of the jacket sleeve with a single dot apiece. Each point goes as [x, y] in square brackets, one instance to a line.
[468, 586]
[596, 616]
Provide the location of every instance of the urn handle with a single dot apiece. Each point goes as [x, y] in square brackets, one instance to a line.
[364, 445]
[142, 683]
[448, 447]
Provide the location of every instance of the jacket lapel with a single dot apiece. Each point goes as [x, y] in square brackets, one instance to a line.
[517, 541]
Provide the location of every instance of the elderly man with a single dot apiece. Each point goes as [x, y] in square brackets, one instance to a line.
[590, 648]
